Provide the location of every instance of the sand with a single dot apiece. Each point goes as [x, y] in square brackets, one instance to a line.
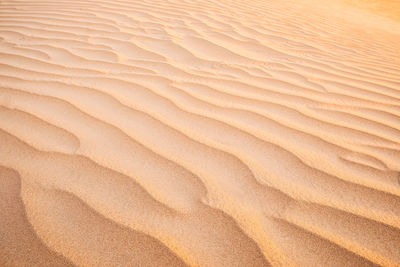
[199, 133]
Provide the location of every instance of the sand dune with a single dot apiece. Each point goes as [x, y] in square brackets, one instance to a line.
[199, 133]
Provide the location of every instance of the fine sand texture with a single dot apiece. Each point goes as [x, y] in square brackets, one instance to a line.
[226, 133]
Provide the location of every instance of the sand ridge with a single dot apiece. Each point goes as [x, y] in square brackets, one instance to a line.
[199, 133]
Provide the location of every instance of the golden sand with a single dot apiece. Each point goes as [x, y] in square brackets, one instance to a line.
[199, 133]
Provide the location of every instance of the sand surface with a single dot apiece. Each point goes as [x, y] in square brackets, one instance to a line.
[199, 133]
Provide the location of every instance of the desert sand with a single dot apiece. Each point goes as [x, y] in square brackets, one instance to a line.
[199, 133]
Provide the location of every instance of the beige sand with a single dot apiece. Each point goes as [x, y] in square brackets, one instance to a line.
[199, 133]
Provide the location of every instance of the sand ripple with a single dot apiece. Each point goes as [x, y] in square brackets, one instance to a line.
[199, 133]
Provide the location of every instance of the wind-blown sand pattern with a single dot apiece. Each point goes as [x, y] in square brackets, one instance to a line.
[199, 133]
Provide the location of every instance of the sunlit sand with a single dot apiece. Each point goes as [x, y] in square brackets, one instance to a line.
[200, 133]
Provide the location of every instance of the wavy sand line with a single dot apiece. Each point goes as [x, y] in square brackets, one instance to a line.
[201, 133]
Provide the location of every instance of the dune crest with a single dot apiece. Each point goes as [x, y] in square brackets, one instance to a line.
[199, 133]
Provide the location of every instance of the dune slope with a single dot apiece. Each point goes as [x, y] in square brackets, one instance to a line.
[199, 133]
